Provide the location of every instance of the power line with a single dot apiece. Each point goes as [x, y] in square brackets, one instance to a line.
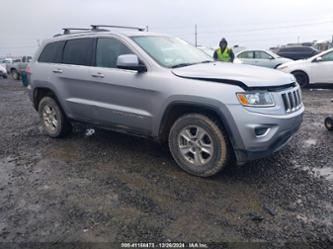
[261, 29]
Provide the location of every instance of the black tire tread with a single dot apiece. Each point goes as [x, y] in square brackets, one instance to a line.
[66, 127]
[223, 161]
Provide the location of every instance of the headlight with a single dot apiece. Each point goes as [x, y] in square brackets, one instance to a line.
[256, 99]
[282, 67]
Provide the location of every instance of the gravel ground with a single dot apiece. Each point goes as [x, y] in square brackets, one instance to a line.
[102, 186]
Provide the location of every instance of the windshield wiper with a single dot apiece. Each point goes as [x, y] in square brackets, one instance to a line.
[190, 64]
[182, 65]
[207, 61]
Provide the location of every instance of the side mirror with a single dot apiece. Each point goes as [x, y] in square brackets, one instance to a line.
[318, 59]
[130, 62]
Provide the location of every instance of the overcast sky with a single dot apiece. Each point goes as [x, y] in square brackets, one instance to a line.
[255, 23]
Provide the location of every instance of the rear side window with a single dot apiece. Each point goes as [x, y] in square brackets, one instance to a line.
[52, 52]
[78, 52]
[286, 49]
[108, 50]
[246, 55]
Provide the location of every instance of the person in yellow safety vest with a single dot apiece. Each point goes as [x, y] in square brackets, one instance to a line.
[223, 53]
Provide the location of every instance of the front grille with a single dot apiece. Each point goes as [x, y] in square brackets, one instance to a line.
[292, 100]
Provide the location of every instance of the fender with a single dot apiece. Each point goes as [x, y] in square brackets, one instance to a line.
[199, 102]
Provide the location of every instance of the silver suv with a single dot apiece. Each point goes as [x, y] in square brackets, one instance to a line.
[161, 87]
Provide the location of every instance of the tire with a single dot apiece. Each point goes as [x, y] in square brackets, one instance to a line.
[4, 76]
[277, 66]
[329, 124]
[185, 148]
[54, 121]
[15, 74]
[302, 78]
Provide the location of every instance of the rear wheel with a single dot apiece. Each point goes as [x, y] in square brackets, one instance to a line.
[329, 124]
[53, 119]
[302, 78]
[198, 145]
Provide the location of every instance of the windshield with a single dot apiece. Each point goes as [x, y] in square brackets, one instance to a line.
[171, 52]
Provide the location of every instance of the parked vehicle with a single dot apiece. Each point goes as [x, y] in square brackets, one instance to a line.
[317, 69]
[16, 67]
[3, 71]
[260, 57]
[297, 52]
[161, 87]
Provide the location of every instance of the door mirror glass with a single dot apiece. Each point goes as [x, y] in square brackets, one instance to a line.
[130, 62]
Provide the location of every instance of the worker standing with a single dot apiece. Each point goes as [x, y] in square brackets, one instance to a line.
[223, 53]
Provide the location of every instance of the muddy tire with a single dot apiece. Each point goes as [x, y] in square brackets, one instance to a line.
[199, 145]
[329, 124]
[53, 118]
[301, 78]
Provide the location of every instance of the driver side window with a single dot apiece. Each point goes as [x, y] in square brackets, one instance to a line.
[328, 57]
[108, 50]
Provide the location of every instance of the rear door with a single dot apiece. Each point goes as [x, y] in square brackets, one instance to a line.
[74, 78]
[247, 57]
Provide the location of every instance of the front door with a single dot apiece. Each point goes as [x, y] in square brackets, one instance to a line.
[322, 71]
[263, 59]
[122, 98]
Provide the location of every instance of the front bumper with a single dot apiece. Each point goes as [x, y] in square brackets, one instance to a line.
[275, 131]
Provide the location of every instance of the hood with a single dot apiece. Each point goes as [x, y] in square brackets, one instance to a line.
[245, 76]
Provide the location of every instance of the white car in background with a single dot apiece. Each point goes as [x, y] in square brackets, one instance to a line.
[3, 71]
[260, 57]
[317, 69]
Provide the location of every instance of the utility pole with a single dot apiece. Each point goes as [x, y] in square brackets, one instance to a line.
[147, 28]
[196, 35]
[298, 39]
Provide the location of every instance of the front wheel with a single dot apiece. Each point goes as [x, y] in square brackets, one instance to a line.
[53, 119]
[329, 124]
[198, 145]
[301, 78]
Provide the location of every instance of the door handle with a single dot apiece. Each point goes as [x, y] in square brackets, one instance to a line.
[57, 71]
[97, 75]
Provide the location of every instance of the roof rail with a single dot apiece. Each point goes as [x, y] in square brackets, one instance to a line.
[68, 30]
[96, 27]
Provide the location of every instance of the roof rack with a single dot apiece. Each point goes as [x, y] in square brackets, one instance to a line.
[96, 27]
[68, 30]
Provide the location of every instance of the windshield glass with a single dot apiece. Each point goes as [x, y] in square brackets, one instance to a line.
[171, 52]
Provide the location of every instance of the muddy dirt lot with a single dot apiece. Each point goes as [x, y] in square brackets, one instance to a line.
[111, 187]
